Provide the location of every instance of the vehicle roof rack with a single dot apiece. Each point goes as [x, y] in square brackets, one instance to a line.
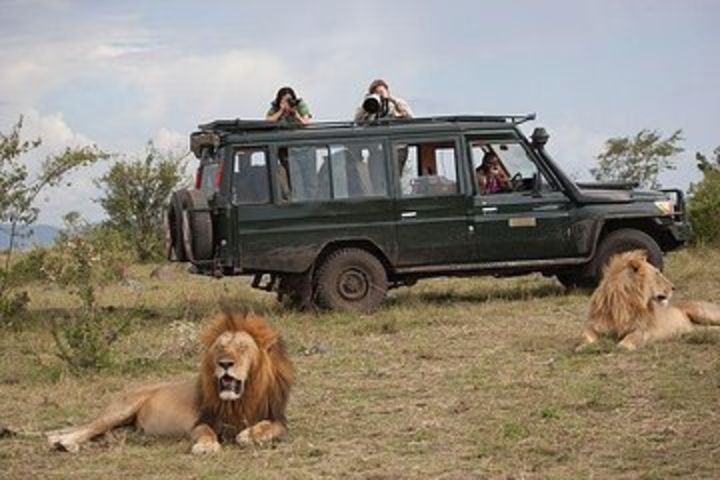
[239, 125]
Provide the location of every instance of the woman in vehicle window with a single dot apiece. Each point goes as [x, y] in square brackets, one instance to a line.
[288, 108]
[491, 176]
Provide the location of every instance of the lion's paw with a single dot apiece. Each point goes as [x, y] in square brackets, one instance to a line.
[245, 438]
[63, 443]
[204, 448]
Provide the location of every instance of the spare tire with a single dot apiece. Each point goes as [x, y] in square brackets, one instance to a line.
[190, 223]
[173, 229]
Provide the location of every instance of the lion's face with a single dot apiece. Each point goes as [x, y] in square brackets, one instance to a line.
[657, 289]
[232, 355]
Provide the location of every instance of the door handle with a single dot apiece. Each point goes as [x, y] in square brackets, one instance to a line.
[489, 210]
[408, 214]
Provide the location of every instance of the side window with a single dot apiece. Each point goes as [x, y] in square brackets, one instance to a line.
[250, 176]
[304, 173]
[208, 173]
[427, 169]
[337, 171]
[358, 170]
[505, 168]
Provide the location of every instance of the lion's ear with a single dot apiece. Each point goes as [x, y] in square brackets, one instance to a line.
[636, 263]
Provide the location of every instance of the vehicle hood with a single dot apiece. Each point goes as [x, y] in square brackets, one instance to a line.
[598, 194]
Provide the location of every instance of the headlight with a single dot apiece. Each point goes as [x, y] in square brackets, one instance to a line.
[667, 207]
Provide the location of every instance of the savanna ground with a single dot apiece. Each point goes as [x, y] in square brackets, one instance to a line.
[461, 378]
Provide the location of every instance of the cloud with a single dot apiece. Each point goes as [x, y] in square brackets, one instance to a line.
[110, 51]
[206, 86]
[170, 140]
[78, 190]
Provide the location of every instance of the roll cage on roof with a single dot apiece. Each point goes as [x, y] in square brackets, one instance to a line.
[209, 134]
[238, 125]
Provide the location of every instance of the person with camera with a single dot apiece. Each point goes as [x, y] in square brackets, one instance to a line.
[288, 108]
[379, 103]
[491, 177]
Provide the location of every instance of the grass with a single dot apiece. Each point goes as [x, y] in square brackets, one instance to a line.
[453, 378]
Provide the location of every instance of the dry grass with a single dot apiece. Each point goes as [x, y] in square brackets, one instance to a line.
[452, 379]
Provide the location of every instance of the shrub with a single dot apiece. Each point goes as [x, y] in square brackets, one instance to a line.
[81, 263]
[704, 202]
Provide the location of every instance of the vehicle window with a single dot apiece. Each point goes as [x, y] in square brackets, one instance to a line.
[208, 173]
[427, 169]
[337, 171]
[358, 170]
[250, 176]
[306, 171]
[504, 168]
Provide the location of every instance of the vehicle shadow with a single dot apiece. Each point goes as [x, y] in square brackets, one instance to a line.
[511, 293]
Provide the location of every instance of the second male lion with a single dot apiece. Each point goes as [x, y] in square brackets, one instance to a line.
[632, 304]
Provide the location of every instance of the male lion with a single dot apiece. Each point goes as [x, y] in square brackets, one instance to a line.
[632, 304]
[241, 393]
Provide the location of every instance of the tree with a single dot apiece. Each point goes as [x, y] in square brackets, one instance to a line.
[19, 189]
[638, 159]
[136, 194]
[704, 202]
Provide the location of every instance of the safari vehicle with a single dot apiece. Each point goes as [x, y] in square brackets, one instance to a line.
[335, 214]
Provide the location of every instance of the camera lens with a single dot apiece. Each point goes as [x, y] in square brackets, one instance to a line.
[372, 103]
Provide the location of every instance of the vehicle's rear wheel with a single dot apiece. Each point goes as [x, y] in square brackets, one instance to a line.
[621, 241]
[351, 279]
[190, 226]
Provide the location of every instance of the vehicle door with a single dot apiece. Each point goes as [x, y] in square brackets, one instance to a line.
[519, 212]
[432, 225]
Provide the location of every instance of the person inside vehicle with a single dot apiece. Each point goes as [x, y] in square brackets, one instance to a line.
[288, 108]
[283, 175]
[379, 103]
[490, 175]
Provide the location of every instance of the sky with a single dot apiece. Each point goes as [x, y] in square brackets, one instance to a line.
[118, 74]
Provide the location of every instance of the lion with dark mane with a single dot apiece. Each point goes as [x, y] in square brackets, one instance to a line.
[632, 305]
[240, 395]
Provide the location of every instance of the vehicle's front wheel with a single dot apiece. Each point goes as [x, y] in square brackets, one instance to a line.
[620, 241]
[351, 279]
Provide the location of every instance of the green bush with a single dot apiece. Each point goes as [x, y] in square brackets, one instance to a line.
[28, 266]
[84, 341]
[704, 202]
[82, 262]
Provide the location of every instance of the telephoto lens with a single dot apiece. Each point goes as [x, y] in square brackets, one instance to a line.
[372, 103]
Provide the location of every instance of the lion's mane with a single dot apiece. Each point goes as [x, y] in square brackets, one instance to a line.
[620, 303]
[268, 385]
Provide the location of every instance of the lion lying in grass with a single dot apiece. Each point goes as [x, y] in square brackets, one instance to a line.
[240, 394]
[632, 304]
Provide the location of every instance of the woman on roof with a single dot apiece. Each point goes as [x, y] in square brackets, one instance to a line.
[288, 108]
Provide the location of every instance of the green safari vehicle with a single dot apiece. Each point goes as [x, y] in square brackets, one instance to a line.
[335, 214]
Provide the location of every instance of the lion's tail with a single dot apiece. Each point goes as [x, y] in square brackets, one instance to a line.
[702, 313]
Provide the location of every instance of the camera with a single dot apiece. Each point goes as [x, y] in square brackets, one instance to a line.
[374, 104]
[293, 102]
